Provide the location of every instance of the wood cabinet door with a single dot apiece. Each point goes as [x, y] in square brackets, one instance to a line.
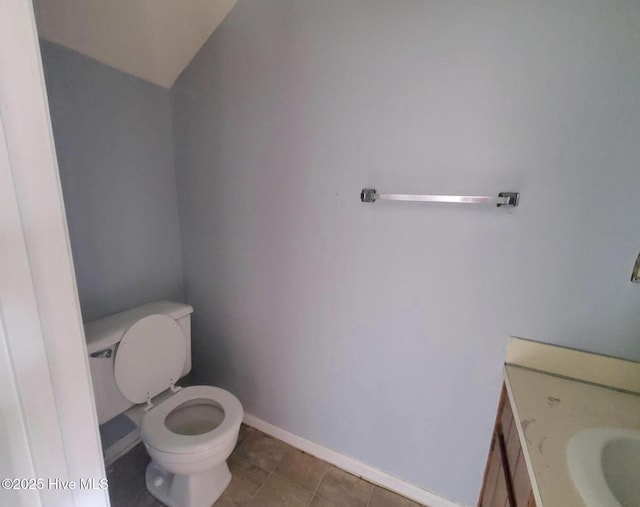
[495, 489]
[506, 478]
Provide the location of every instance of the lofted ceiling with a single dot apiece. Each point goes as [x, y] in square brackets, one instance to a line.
[151, 39]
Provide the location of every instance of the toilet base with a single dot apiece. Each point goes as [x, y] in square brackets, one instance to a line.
[195, 490]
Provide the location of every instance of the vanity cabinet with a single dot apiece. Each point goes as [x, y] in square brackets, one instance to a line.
[506, 479]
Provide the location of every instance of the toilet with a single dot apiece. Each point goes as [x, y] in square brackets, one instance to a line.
[136, 357]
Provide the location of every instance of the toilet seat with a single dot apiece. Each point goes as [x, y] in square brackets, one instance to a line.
[156, 434]
[150, 358]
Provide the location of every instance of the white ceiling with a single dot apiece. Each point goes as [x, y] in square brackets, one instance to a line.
[151, 39]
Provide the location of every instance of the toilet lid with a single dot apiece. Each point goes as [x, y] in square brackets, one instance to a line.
[150, 357]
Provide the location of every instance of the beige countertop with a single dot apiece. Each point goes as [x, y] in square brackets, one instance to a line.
[549, 409]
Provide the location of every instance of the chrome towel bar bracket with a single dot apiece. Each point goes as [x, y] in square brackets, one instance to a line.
[503, 199]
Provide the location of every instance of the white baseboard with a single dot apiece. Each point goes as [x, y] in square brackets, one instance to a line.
[351, 465]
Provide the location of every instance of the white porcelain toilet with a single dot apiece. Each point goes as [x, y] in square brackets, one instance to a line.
[141, 353]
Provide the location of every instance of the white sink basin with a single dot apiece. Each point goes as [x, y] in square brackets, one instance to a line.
[604, 464]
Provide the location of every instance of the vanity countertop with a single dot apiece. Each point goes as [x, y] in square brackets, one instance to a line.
[550, 407]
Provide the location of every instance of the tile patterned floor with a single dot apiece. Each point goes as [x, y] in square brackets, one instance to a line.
[266, 473]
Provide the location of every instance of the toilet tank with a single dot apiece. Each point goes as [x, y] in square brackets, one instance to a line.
[103, 337]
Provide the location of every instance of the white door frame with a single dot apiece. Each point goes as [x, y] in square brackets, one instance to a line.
[40, 311]
[31, 447]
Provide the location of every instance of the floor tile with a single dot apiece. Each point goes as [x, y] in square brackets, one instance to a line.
[253, 485]
[384, 498]
[343, 489]
[244, 433]
[278, 492]
[126, 480]
[250, 476]
[302, 469]
[228, 499]
[320, 502]
[246, 479]
[262, 450]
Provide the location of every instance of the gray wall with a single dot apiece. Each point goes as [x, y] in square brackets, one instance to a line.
[380, 330]
[115, 151]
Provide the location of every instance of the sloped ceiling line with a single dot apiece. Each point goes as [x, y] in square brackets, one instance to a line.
[151, 39]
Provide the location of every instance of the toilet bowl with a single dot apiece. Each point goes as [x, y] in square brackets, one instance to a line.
[196, 424]
[137, 357]
[189, 437]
